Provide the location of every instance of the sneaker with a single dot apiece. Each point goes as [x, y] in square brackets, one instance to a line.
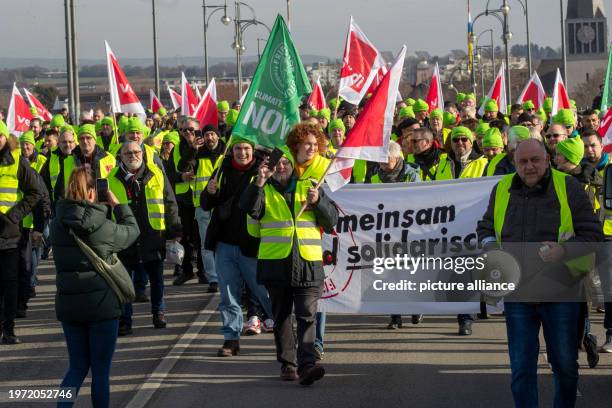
[288, 373]
[416, 319]
[229, 348]
[311, 374]
[9, 337]
[252, 326]
[124, 329]
[159, 321]
[318, 353]
[590, 347]
[268, 326]
[213, 287]
[141, 298]
[182, 278]
[607, 346]
[395, 323]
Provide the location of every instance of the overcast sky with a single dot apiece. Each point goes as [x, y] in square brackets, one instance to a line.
[35, 28]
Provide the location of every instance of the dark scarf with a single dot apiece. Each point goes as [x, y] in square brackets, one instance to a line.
[132, 181]
[394, 176]
[428, 158]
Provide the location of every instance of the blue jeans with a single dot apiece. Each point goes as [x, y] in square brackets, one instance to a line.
[90, 345]
[560, 324]
[155, 271]
[605, 275]
[140, 279]
[208, 257]
[319, 339]
[36, 254]
[233, 267]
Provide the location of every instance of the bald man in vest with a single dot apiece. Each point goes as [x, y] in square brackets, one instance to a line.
[548, 220]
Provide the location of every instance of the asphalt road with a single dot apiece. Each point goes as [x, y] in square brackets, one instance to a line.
[426, 365]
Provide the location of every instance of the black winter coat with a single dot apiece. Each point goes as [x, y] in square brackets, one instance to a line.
[82, 294]
[293, 270]
[532, 217]
[228, 220]
[151, 244]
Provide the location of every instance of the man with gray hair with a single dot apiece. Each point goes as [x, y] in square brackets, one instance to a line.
[147, 190]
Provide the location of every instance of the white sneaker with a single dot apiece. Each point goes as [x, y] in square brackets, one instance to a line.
[252, 326]
[268, 326]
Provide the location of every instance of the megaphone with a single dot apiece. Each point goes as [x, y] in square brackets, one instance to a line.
[499, 267]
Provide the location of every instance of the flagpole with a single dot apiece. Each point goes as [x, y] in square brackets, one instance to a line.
[317, 186]
[227, 145]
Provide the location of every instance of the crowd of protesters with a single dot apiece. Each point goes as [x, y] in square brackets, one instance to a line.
[173, 179]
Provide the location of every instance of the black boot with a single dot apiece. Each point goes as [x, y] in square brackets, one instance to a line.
[9, 337]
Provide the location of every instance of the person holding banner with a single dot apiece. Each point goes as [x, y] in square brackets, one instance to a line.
[396, 170]
[539, 196]
[290, 259]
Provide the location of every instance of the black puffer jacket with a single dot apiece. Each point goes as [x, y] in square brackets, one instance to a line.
[151, 245]
[293, 270]
[31, 189]
[82, 294]
[228, 220]
[532, 217]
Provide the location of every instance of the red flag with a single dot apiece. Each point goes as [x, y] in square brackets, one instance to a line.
[560, 98]
[369, 138]
[435, 98]
[317, 97]
[155, 102]
[497, 92]
[206, 111]
[43, 112]
[122, 95]
[605, 131]
[18, 116]
[360, 66]
[187, 96]
[533, 91]
[175, 97]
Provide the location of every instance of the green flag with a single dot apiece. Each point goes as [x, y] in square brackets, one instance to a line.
[607, 94]
[271, 105]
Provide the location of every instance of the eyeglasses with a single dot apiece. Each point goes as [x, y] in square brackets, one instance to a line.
[415, 141]
[555, 135]
[190, 130]
[461, 139]
[131, 153]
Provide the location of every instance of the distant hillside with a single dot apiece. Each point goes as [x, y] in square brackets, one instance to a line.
[60, 63]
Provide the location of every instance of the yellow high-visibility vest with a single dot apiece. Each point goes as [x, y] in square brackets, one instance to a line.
[154, 195]
[9, 184]
[578, 266]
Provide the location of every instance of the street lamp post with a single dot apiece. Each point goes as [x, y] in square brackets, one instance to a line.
[75, 65]
[69, 76]
[225, 20]
[507, 35]
[563, 51]
[258, 48]
[238, 46]
[155, 61]
[492, 45]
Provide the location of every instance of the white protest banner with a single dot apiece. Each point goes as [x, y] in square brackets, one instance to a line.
[438, 215]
